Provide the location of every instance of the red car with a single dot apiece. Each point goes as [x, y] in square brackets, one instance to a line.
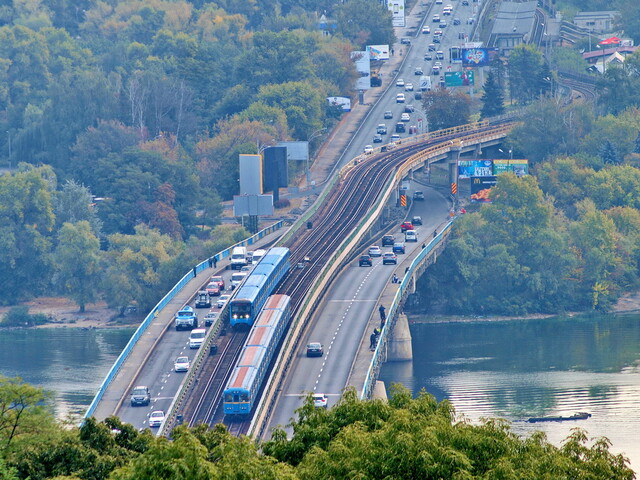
[213, 289]
[406, 226]
[219, 280]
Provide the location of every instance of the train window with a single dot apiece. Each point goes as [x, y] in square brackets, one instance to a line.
[244, 397]
[228, 397]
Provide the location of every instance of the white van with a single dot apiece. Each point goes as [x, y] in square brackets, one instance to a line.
[237, 278]
[238, 258]
[400, 98]
[196, 339]
[258, 254]
[410, 236]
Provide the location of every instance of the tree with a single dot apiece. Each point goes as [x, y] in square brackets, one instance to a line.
[527, 72]
[609, 153]
[445, 109]
[74, 203]
[493, 97]
[77, 259]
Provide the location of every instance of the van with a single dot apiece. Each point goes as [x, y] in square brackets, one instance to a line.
[400, 98]
[258, 254]
[238, 258]
[237, 278]
[196, 339]
[410, 236]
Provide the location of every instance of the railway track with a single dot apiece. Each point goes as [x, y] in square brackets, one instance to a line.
[584, 85]
[311, 249]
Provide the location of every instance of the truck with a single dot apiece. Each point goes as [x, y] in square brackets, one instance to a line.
[425, 83]
[238, 258]
[203, 300]
[186, 319]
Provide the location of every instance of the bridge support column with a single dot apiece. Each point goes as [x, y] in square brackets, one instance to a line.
[379, 390]
[400, 349]
[478, 151]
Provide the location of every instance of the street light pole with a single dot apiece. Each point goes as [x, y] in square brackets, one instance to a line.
[315, 134]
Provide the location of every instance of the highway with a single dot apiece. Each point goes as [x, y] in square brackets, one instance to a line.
[344, 315]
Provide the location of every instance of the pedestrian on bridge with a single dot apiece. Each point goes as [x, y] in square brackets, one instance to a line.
[372, 341]
[383, 316]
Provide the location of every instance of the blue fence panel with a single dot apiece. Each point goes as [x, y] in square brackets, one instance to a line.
[161, 304]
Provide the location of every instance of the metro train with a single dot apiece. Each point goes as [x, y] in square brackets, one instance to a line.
[259, 284]
[261, 346]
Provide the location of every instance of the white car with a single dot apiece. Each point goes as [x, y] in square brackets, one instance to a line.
[368, 149]
[405, 117]
[400, 83]
[319, 400]
[408, 87]
[374, 251]
[156, 418]
[182, 364]
[400, 98]
[222, 301]
[426, 29]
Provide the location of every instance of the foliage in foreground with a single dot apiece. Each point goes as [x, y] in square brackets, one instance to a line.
[403, 438]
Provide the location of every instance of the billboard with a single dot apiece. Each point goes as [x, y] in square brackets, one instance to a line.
[475, 168]
[250, 174]
[518, 166]
[397, 12]
[478, 57]
[459, 79]
[344, 102]
[275, 173]
[378, 52]
[363, 67]
[480, 187]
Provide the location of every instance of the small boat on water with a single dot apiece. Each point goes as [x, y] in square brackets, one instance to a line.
[560, 418]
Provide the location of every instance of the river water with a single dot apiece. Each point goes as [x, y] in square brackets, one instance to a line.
[525, 368]
[69, 362]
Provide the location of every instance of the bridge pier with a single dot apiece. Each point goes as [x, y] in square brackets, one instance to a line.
[379, 390]
[399, 347]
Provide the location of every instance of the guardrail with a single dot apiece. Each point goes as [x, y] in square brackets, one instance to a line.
[162, 303]
[377, 358]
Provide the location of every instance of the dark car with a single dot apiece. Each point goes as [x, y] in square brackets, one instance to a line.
[140, 396]
[417, 220]
[406, 226]
[389, 258]
[465, 3]
[365, 261]
[314, 349]
[456, 21]
[388, 241]
[377, 139]
[398, 247]
[376, 81]
[405, 41]
[418, 96]
[400, 128]
[388, 114]
[409, 108]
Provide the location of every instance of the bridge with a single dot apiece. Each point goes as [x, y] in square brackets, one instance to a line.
[145, 348]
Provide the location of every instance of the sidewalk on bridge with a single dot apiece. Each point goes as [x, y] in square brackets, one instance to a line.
[118, 391]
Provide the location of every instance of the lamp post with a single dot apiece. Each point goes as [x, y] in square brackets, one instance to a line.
[315, 134]
[10, 159]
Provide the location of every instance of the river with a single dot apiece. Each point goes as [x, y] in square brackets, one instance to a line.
[69, 362]
[524, 368]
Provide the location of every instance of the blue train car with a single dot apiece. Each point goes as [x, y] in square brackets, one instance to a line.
[242, 389]
[256, 288]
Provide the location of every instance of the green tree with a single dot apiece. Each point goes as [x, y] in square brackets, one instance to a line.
[609, 153]
[77, 259]
[74, 203]
[445, 109]
[527, 72]
[492, 97]
[365, 23]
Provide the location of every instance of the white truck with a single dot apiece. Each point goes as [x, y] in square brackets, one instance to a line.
[238, 258]
[186, 319]
[425, 83]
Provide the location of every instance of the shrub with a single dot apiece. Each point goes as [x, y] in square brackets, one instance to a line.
[20, 317]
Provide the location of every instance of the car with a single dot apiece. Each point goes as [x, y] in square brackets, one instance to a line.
[426, 30]
[436, 18]
[374, 251]
[381, 128]
[428, 56]
[417, 96]
[413, 129]
[438, 64]
[319, 400]
[219, 280]
[400, 82]
[400, 128]
[395, 137]
[315, 349]
[213, 289]
[388, 240]
[377, 139]
[416, 220]
[446, 11]
[246, 268]
[437, 39]
[388, 114]
[438, 33]
[210, 317]
[456, 21]
[409, 108]
[470, 21]
[465, 3]
[440, 55]
[431, 47]
[400, 98]
[438, 2]
[140, 396]
[398, 247]
[408, 87]
[389, 258]
[406, 226]
[156, 418]
[203, 299]
[405, 41]
[418, 195]
[410, 236]
[405, 117]
[365, 261]
[222, 301]
[418, 71]
[435, 70]
[368, 149]
[443, 24]
[182, 364]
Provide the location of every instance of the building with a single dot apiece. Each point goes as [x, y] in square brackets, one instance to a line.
[598, 22]
[601, 58]
[515, 23]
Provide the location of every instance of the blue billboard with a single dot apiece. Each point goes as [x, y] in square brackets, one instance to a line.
[478, 57]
